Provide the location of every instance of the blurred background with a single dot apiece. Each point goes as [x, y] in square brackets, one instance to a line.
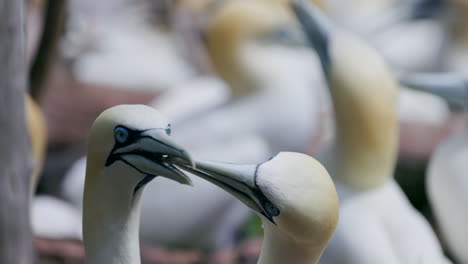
[183, 58]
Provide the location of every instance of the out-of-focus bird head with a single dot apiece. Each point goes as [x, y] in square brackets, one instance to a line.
[244, 40]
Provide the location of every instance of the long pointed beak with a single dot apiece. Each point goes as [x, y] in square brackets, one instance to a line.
[451, 87]
[152, 153]
[317, 28]
[238, 180]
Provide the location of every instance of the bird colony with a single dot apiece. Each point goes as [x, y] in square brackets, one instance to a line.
[292, 118]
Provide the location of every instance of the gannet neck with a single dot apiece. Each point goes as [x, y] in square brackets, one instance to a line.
[279, 248]
[364, 96]
[111, 217]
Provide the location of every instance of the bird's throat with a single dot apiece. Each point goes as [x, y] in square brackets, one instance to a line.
[279, 249]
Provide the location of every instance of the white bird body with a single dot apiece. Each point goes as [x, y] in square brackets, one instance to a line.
[407, 44]
[422, 107]
[447, 185]
[191, 99]
[411, 46]
[362, 158]
[383, 217]
[117, 46]
[66, 221]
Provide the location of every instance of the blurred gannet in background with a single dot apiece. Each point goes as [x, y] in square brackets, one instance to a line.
[67, 222]
[294, 196]
[256, 47]
[447, 178]
[128, 147]
[113, 42]
[377, 223]
[406, 33]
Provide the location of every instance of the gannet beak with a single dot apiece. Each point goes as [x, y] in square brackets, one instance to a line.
[151, 152]
[238, 180]
[317, 27]
[451, 87]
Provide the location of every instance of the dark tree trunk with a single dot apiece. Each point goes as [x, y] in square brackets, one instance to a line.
[15, 162]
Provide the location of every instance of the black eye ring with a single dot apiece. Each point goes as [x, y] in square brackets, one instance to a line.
[271, 209]
[120, 134]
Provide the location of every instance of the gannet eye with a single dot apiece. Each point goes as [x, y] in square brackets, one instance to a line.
[168, 129]
[271, 209]
[120, 134]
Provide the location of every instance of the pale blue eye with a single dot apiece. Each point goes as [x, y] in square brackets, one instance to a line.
[120, 134]
[271, 209]
[168, 129]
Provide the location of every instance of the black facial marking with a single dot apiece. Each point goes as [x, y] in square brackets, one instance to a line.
[133, 136]
[143, 182]
[269, 209]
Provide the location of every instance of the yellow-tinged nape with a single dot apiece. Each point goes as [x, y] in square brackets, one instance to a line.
[364, 94]
[236, 24]
[37, 131]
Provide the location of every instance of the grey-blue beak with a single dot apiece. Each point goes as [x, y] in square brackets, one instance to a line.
[317, 28]
[452, 87]
[238, 180]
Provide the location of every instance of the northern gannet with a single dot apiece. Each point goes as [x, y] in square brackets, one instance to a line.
[447, 182]
[294, 196]
[377, 223]
[128, 146]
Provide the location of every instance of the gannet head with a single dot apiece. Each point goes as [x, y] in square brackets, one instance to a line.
[243, 38]
[131, 143]
[364, 94]
[128, 146]
[292, 191]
